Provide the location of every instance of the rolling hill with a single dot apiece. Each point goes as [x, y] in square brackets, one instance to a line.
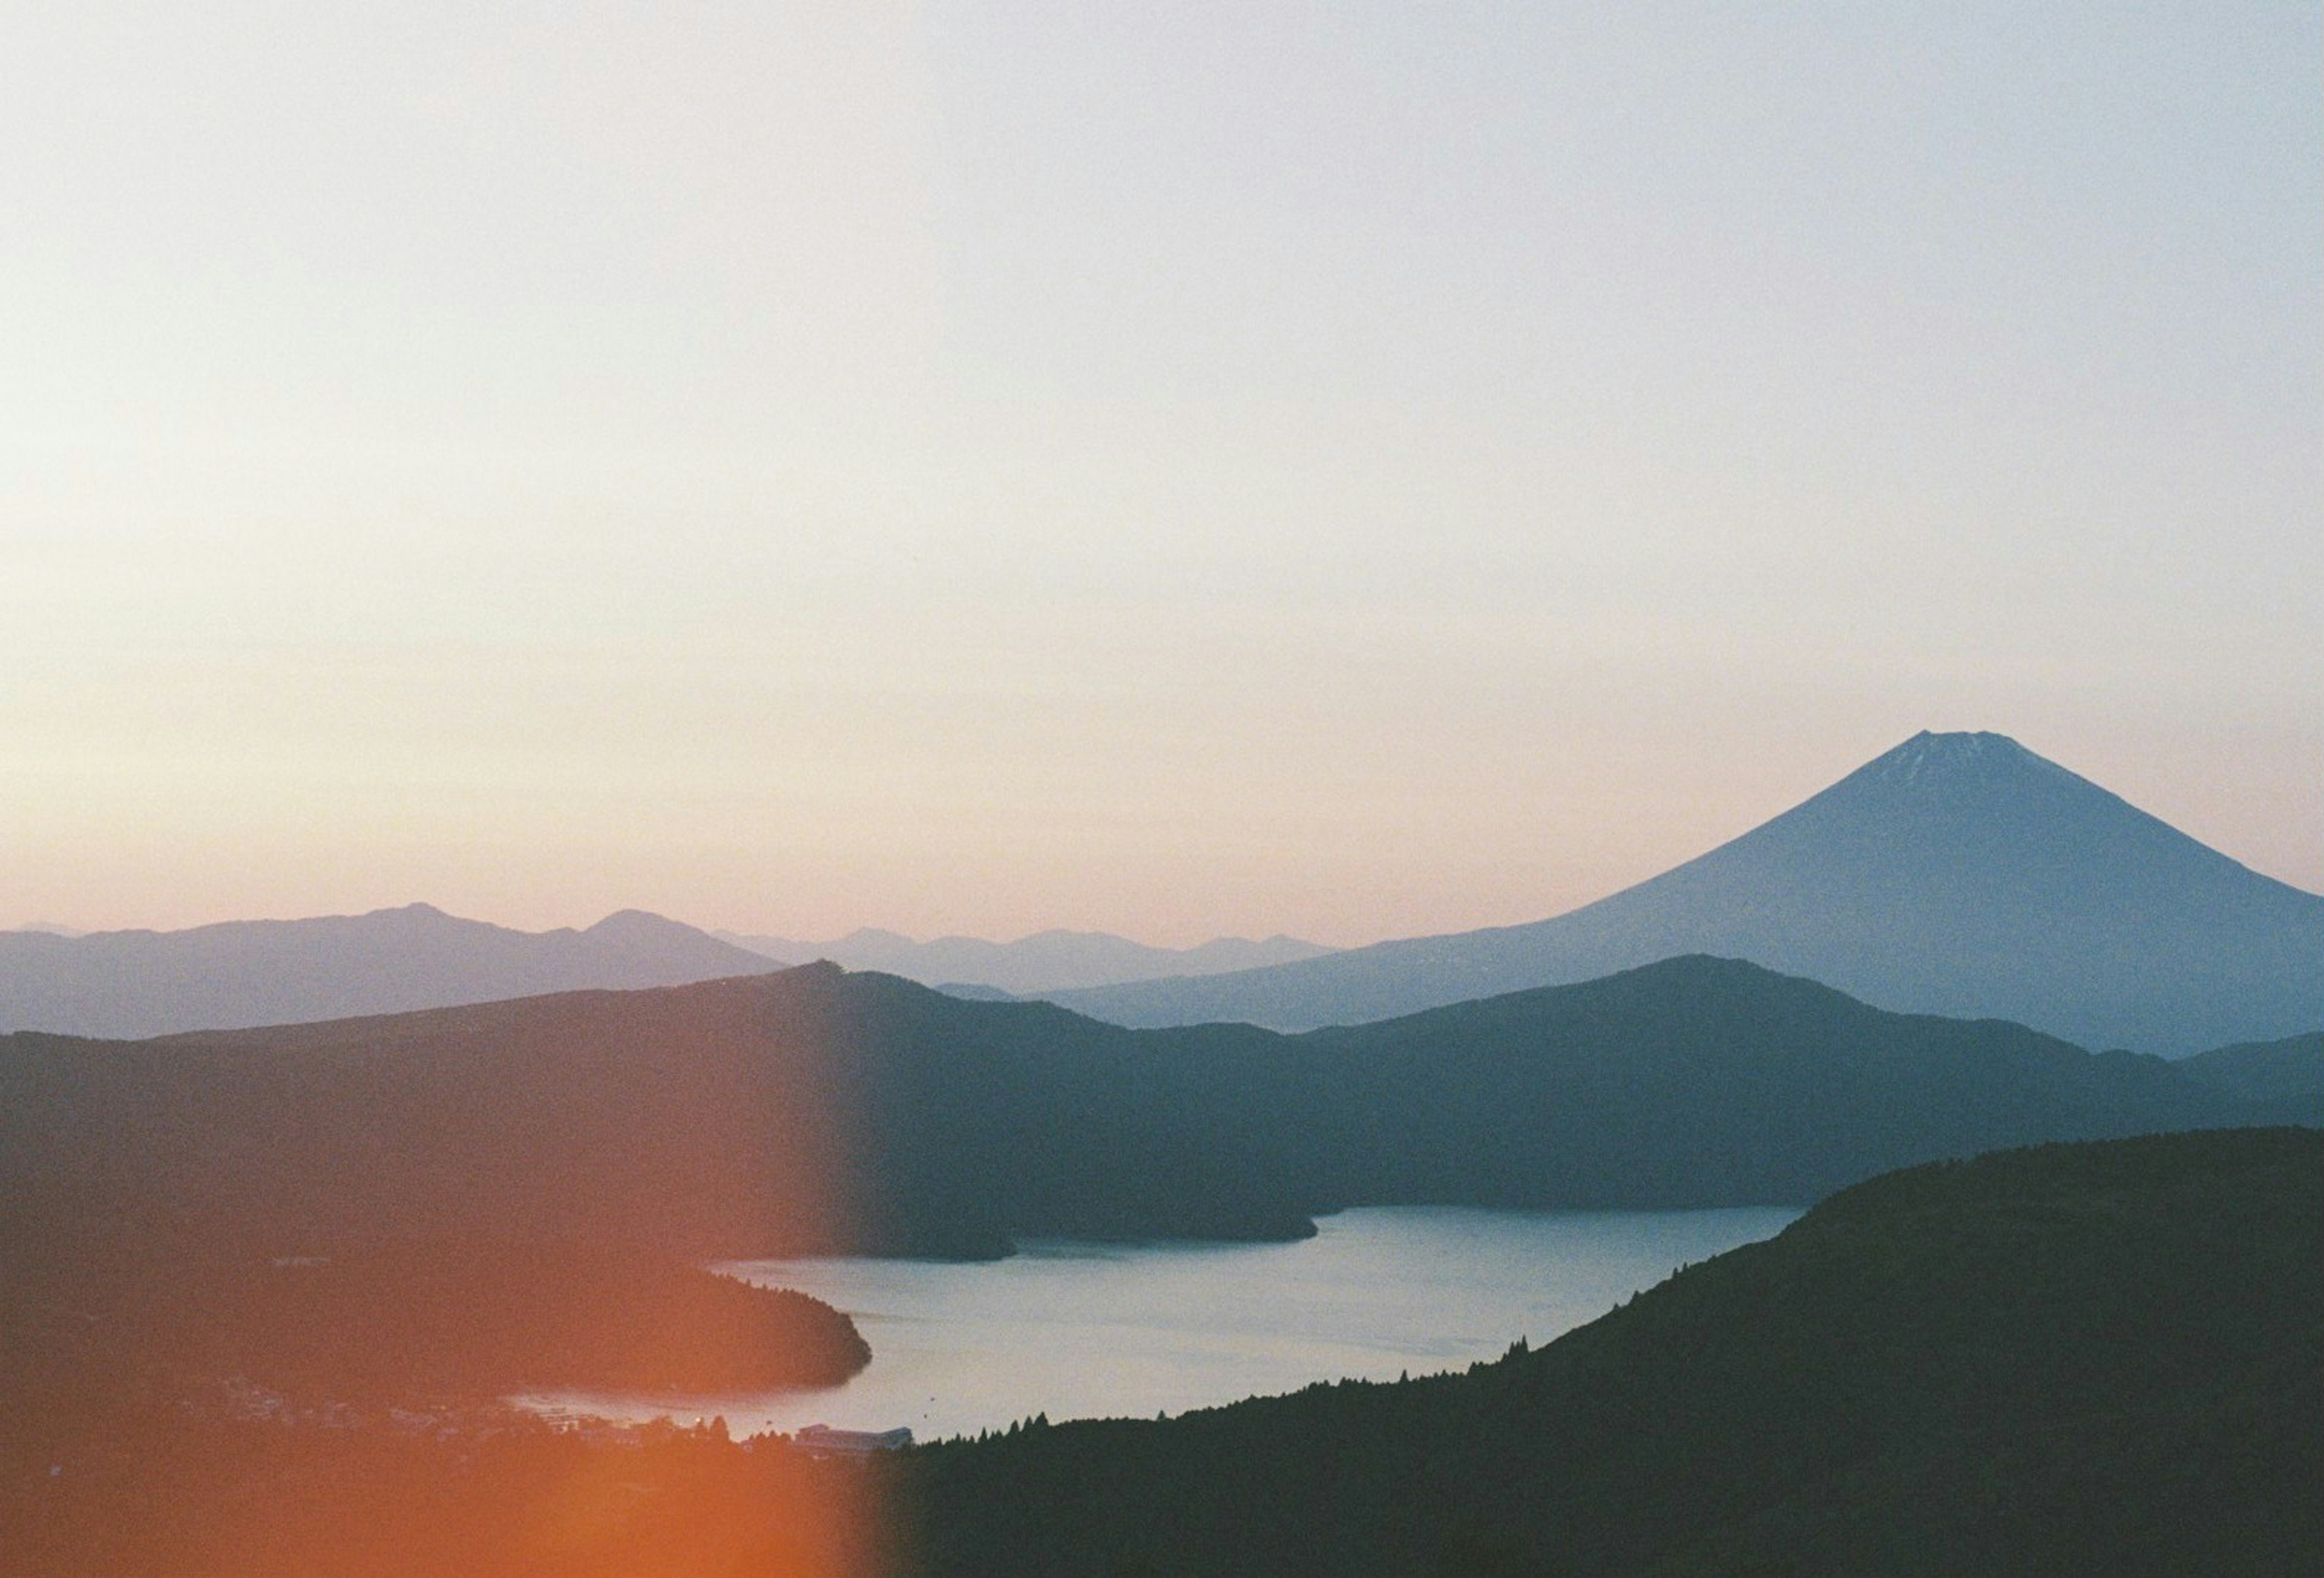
[1959, 875]
[2289, 1071]
[814, 1109]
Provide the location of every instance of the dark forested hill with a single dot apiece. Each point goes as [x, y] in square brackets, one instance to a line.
[289, 972]
[816, 1108]
[2080, 1360]
[123, 1308]
[1958, 874]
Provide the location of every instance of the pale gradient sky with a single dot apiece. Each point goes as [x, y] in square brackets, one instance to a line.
[1349, 470]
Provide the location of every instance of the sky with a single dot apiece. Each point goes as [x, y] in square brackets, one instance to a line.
[1346, 470]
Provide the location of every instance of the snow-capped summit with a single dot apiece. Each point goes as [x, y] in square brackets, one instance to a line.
[1933, 753]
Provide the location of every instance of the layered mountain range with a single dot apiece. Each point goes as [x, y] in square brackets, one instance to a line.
[241, 974]
[813, 1109]
[1958, 874]
[1047, 961]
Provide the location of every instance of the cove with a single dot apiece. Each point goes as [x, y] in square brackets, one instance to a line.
[1093, 1331]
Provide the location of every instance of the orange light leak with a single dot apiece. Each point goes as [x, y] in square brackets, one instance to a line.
[686, 1502]
[334, 1411]
[761, 1087]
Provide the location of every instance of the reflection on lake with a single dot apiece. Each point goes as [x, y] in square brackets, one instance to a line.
[1089, 1331]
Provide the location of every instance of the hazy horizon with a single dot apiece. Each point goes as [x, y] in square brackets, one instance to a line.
[1007, 939]
[981, 468]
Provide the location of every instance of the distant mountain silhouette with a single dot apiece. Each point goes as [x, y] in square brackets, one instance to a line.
[245, 973]
[975, 992]
[817, 1110]
[1959, 875]
[1047, 961]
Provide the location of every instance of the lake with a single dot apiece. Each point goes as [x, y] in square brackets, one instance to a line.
[1093, 1331]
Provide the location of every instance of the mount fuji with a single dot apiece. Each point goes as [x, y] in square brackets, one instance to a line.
[1958, 874]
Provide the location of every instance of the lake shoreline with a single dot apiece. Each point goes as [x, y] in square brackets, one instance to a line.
[1118, 1328]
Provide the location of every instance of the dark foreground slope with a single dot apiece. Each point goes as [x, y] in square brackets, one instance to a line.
[814, 1110]
[2098, 1360]
[1958, 874]
[188, 1493]
[2093, 1360]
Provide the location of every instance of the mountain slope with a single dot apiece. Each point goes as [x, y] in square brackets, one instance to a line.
[243, 972]
[813, 1109]
[2287, 1075]
[1047, 961]
[2077, 1360]
[1959, 875]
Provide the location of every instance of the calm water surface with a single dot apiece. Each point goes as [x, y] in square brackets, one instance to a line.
[1094, 1330]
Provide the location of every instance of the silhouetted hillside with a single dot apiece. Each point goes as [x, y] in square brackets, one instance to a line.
[2095, 1361]
[196, 1493]
[2286, 1076]
[1959, 875]
[813, 1109]
[2089, 1359]
[97, 1303]
[1700, 1082]
[296, 972]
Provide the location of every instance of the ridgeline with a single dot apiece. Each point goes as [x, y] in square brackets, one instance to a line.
[814, 1110]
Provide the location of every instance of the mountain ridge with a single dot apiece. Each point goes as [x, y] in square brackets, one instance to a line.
[813, 1109]
[1958, 874]
[245, 973]
[1057, 959]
